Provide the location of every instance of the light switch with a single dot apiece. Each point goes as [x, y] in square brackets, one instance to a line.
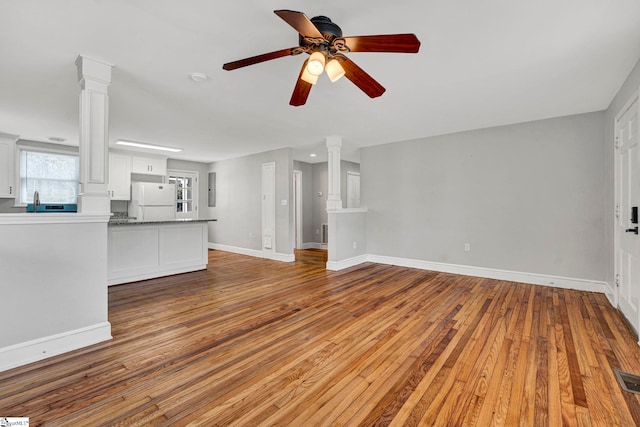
[283, 202]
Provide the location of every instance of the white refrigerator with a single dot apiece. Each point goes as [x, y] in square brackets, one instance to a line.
[152, 202]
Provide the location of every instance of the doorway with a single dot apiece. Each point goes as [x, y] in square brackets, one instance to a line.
[627, 239]
[353, 190]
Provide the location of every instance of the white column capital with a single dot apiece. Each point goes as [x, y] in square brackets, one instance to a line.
[333, 141]
[93, 72]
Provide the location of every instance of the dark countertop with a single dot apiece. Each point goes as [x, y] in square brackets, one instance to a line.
[130, 221]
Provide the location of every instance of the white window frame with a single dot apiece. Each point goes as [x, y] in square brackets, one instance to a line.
[196, 192]
[42, 148]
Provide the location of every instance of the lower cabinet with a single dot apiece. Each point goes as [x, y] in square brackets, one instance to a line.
[144, 251]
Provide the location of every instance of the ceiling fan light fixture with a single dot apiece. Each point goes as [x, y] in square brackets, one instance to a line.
[315, 65]
[334, 70]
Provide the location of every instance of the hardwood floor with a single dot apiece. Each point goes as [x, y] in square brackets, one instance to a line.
[256, 342]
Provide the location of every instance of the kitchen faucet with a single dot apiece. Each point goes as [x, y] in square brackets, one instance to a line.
[36, 201]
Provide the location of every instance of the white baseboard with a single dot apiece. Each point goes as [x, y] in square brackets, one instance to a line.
[346, 263]
[491, 273]
[313, 245]
[465, 270]
[53, 345]
[253, 252]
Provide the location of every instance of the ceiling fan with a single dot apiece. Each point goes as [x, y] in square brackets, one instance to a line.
[323, 41]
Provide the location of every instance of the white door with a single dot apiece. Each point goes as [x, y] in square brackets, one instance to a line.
[627, 199]
[186, 197]
[297, 216]
[353, 190]
[269, 207]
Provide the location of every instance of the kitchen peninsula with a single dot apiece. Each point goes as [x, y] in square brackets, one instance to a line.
[139, 250]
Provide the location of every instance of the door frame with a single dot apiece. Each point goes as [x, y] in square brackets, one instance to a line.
[635, 97]
[268, 180]
[297, 206]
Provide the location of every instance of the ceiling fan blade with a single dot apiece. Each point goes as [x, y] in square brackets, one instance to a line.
[360, 78]
[393, 43]
[302, 89]
[299, 22]
[258, 58]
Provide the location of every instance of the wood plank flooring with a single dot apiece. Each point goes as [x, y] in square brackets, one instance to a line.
[255, 342]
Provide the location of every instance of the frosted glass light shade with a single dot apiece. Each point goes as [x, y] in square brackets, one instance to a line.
[308, 77]
[316, 63]
[334, 70]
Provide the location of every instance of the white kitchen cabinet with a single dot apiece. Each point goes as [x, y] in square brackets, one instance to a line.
[144, 251]
[149, 165]
[119, 176]
[7, 167]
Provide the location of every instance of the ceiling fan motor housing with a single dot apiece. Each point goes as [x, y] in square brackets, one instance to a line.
[329, 30]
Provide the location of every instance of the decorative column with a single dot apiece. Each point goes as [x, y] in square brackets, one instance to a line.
[334, 143]
[94, 77]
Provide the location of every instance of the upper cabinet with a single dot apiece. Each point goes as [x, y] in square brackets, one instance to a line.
[149, 165]
[119, 176]
[7, 168]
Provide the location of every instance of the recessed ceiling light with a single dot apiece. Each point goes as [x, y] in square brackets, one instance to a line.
[312, 155]
[198, 77]
[57, 139]
[145, 145]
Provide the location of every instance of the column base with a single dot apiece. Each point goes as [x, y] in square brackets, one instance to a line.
[333, 204]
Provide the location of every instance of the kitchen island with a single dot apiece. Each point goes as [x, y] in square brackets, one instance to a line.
[139, 250]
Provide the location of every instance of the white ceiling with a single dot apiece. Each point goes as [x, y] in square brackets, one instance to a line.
[481, 63]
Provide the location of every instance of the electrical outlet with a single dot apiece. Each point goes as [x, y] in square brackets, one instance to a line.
[317, 231]
[467, 247]
[355, 245]
[250, 235]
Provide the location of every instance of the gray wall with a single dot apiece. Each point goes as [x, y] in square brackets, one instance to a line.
[628, 88]
[347, 229]
[528, 197]
[239, 205]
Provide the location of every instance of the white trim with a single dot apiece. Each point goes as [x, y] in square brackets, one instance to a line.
[53, 345]
[52, 218]
[253, 252]
[347, 210]
[491, 273]
[39, 147]
[297, 207]
[346, 263]
[195, 213]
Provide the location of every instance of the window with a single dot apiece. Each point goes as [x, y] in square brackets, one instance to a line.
[54, 175]
[186, 193]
